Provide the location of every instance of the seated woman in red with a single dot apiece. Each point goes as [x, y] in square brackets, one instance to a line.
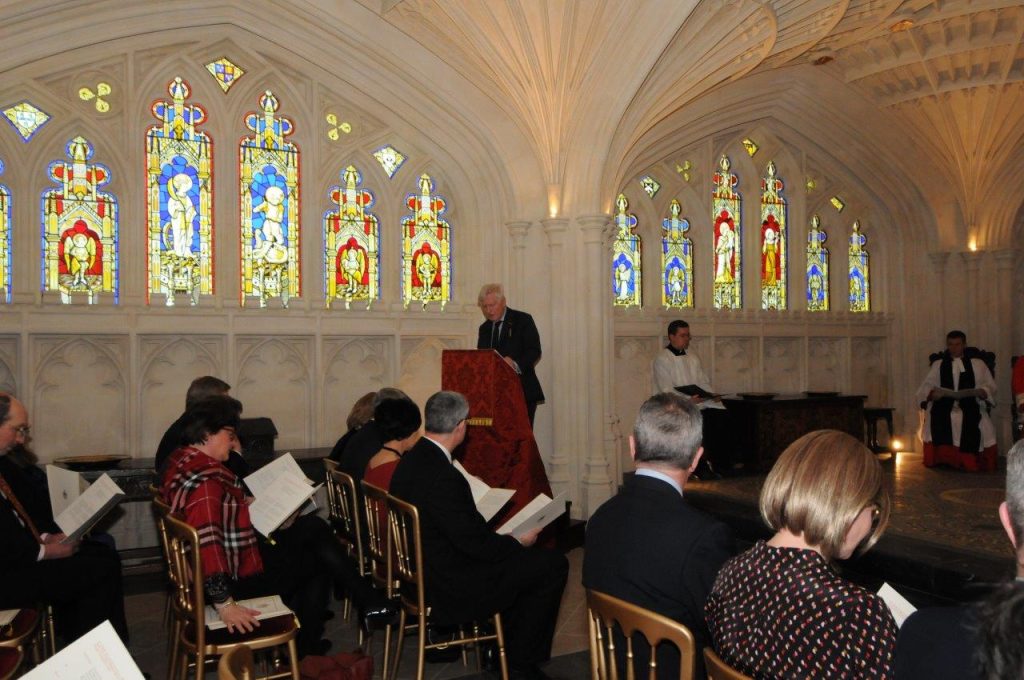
[779, 610]
[399, 423]
[300, 564]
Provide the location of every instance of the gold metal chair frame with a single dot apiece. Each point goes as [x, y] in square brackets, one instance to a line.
[405, 556]
[718, 669]
[375, 507]
[189, 607]
[237, 664]
[343, 504]
[26, 630]
[604, 612]
[14, 656]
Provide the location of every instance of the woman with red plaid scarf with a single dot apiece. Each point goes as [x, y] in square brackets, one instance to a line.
[300, 563]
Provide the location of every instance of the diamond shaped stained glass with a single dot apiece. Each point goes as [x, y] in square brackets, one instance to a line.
[225, 72]
[650, 185]
[26, 119]
[390, 159]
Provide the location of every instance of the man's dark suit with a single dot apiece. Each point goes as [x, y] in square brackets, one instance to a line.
[472, 572]
[85, 588]
[937, 643]
[518, 339]
[648, 547]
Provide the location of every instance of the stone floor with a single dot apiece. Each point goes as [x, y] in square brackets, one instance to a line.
[145, 618]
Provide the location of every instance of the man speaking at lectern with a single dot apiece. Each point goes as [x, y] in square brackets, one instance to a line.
[513, 334]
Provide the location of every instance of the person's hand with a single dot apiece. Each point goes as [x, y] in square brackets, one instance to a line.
[54, 538]
[56, 551]
[529, 538]
[935, 394]
[697, 399]
[239, 619]
[291, 519]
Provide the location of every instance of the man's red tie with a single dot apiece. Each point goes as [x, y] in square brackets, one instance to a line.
[18, 508]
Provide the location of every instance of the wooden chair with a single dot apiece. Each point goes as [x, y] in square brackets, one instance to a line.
[374, 518]
[173, 620]
[405, 545]
[10, 662]
[344, 514]
[189, 604]
[237, 664]
[23, 633]
[720, 670]
[605, 612]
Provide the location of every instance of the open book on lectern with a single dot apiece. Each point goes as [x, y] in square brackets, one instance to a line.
[279, 489]
[76, 511]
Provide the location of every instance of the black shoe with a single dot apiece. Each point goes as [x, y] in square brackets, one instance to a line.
[379, 616]
[438, 635]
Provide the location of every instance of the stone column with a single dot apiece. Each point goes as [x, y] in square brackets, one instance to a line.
[561, 397]
[1001, 331]
[594, 361]
[972, 301]
[938, 261]
[518, 230]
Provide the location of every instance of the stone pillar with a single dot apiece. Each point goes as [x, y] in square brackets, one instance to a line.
[518, 230]
[938, 261]
[972, 298]
[594, 361]
[1001, 330]
[561, 397]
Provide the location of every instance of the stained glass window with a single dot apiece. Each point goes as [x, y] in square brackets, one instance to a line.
[79, 228]
[26, 119]
[5, 239]
[728, 237]
[225, 72]
[860, 289]
[817, 268]
[179, 200]
[650, 185]
[390, 159]
[351, 235]
[627, 283]
[269, 171]
[773, 241]
[426, 248]
[676, 260]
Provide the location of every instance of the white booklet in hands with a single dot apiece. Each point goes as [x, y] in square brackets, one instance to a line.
[89, 508]
[898, 605]
[268, 607]
[538, 513]
[65, 486]
[278, 502]
[262, 479]
[100, 653]
[489, 500]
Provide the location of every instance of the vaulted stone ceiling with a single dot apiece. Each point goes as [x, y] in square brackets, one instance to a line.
[569, 73]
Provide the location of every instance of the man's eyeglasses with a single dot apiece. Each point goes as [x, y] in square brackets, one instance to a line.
[23, 431]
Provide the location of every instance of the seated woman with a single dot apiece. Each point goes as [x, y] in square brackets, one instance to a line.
[779, 610]
[300, 564]
[399, 423]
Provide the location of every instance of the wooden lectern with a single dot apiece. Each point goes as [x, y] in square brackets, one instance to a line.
[499, 447]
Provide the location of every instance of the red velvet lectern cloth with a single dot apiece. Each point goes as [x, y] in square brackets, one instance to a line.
[499, 447]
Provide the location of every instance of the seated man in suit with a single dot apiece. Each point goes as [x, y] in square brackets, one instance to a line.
[470, 571]
[646, 545]
[958, 431]
[81, 579]
[985, 641]
[514, 336]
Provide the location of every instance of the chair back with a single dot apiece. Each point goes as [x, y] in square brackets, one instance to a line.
[188, 597]
[344, 506]
[406, 548]
[720, 670]
[375, 514]
[237, 664]
[606, 612]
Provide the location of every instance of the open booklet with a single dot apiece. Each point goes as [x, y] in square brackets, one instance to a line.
[537, 514]
[898, 605]
[709, 400]
[279, 489]
[268, 607]
[7, 615]
[100, 653]
[972, 393]
[489, 500]
[77, 516]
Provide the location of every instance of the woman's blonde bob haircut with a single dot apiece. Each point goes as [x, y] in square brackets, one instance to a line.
[818, 487]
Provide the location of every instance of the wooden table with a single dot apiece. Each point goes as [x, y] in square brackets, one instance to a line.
[763, 428]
